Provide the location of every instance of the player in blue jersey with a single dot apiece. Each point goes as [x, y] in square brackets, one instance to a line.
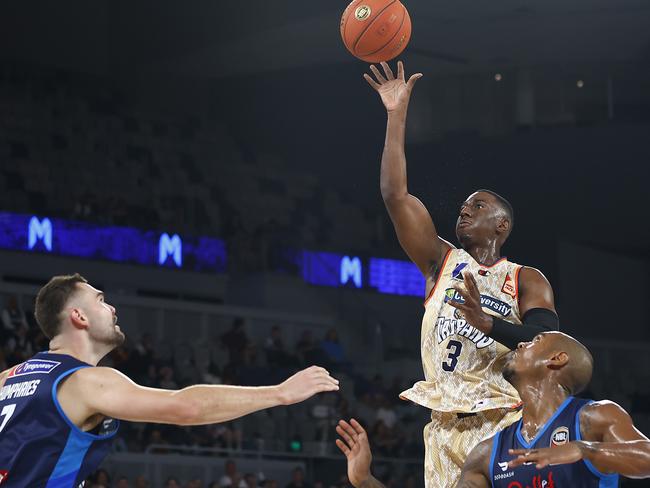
[560, 442]
[57, 408]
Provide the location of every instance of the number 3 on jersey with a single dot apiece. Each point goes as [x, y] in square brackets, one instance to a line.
[454, 348]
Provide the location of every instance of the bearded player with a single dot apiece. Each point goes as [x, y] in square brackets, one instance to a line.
[57, 408]
[479, 305]
[560, 442]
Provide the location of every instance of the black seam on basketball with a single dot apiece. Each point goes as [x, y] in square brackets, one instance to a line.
[394, 35]
[354, 49]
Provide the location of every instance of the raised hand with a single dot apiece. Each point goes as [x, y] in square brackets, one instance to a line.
[566, 454]
[395, 92]
[356, 448]
[305, 384]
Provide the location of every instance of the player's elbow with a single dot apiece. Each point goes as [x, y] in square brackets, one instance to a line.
[392, 194]
[184, 411]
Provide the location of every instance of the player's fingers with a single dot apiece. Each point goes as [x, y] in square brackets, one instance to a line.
[371, 82]
[470, 281]
[387, 70]
[457, 305]
[348, 428]
[516, 462]
[517, 452]
[541, 464]
[411, 82]
[349, 439]
[357, 427]
[341, 445]
[400, 70]
[377, 74]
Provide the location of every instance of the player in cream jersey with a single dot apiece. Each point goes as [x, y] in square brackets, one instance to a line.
[462, 365]
[479, 304]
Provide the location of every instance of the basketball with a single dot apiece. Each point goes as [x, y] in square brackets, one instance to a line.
[375, 30]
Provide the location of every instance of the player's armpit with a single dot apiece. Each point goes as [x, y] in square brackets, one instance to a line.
[476, 470]
[535, 291]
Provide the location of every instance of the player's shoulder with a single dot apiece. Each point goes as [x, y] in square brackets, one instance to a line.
[529, 277]
[597, 416]
[602, 408]
[94, 376]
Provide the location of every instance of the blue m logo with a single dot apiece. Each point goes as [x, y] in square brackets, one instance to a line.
[351, 269]
[170, 246]
[39, 230]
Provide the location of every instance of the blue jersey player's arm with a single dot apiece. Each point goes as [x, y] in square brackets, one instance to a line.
[91, 393]
[476, 470]
[610, 442]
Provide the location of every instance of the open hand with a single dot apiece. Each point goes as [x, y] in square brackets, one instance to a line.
[565, 454]
[305, 384]
[395, 92]
[471, 308]
[356, 448]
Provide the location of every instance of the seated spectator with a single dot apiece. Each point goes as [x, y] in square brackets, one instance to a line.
[251, 480]
[276, 355]
[12, 315]
[235, 341]
[232, 478]
[332, 347]
[172, 482]
[298, 479]
[122, 482]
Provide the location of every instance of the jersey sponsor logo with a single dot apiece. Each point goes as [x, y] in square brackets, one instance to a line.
[560, 436]
[457, 273]
[19, 390]
[445, 328]
[509, 286]
[3, 475]
[487, 301]
[538, 481]
[483, 272]
[34, 366]
[504, 466]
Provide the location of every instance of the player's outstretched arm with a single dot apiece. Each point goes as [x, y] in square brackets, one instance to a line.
[412, 221]
[354, 444]
[106, 391]
[476, 470]
[611, 443]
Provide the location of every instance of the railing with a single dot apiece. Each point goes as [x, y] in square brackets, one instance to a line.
[207, 463]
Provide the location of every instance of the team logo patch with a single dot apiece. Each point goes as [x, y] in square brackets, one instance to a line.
[509, 287]
[483, 272]
[34, 366]
[362, 12]
[457, 274]
[560, 436]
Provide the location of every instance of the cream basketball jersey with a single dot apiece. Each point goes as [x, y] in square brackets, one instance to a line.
[462, 366]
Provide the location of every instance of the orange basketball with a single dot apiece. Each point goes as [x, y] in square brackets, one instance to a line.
[375, 30]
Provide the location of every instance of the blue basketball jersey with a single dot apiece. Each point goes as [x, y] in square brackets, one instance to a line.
[39, 446]
[562, 427]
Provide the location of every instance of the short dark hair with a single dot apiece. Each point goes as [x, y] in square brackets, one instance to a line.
[51, 299]
[504, 204]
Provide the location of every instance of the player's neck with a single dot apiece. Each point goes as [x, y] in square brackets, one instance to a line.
[540, 402]
[77, 348]
[484, 253]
